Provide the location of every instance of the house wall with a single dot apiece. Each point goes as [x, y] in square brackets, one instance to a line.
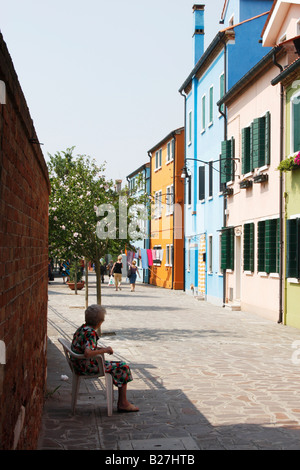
[259, 293]
[24, 192]
[162, 228]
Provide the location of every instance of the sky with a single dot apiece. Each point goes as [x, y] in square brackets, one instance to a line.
[103, 76]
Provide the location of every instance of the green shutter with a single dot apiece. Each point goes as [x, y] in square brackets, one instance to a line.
[211, 104]
[296, 123]
[261, 246]
[292, 249]
[271, 241]
[267, 138]
[246, 155]
[227, 249]
[258, 142]
[227, 154]
[249, 247]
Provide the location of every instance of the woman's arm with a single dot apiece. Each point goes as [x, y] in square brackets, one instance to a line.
[95, 352]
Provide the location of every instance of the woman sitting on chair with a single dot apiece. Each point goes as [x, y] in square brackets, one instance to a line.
[85, 342]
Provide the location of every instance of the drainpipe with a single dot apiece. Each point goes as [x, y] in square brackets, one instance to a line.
[184, 97]
[174, 162]
[225, 138]
[280, 196]
[150, 155]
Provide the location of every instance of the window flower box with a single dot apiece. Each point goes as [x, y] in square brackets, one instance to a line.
[290, 163]
[260, 178]
[245, 184]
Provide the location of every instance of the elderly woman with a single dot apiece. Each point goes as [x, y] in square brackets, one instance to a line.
[85, 342]
[117, 270]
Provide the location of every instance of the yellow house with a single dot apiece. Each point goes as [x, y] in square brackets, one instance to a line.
[166, 227]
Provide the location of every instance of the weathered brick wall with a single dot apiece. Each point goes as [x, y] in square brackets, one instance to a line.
[24, 192]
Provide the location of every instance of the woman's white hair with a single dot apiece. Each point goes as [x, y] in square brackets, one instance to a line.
[94, 314]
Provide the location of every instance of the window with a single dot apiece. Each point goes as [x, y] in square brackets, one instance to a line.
[222, 89]
[169, 255]
[190, 127]
[158, 159]
[268, 246]
[293, 248]
[190, 189]
[203, 112]
[211, 104]
[210, 179]
[201, 183]
[261, 141]
[247, 165]
[227, 162]
[249, 247]
[227, 248]
[169, 199]
[295, 138]
[210, 254]
[170, 150]
[158, 254]
[158, 205]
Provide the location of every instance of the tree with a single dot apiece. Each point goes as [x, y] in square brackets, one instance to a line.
[87, 216]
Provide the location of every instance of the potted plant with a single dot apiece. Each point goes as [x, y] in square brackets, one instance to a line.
[75, 276]
[290, 163]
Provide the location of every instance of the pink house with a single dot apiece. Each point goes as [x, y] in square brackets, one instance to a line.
[252, 236]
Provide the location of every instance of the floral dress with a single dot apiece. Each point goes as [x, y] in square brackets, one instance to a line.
[86, 337]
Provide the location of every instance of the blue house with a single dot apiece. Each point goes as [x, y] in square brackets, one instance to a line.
[233, 51]
[139, 181]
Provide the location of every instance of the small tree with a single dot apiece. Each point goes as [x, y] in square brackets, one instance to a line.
[84, 209]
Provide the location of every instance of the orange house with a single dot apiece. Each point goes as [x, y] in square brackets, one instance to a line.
[167, 217]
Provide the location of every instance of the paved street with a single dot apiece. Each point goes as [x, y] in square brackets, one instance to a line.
[204, 377]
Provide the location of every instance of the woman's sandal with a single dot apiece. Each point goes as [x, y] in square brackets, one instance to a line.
[129, 409]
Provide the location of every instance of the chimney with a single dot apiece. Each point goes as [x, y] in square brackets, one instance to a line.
[199, 31]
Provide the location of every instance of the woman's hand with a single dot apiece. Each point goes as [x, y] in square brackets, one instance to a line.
[109, 350]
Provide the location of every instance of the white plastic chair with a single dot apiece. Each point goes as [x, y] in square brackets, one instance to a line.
[76, 378]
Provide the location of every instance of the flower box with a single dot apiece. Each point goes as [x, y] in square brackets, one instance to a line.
[245, 184]
[260, 178]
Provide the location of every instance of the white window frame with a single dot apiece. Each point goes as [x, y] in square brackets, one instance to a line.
[203, 108]
[170, 146]
[158, 159]
[169, 199]
[296, 95]
[211, 104]
[190, 127]
[158, 204]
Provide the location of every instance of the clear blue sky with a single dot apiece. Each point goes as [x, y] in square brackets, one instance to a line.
[104, 75]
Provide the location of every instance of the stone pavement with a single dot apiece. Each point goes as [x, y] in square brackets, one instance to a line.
[204, 377]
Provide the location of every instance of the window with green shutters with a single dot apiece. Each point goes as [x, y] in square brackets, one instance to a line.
[292, 248]
[268, 246]
[249, 247]
[227, 248]
[226, 160]
[256, 144]
[296, 123]
[211, 104]
[247, 165]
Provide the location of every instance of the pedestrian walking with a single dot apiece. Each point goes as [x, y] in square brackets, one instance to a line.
[85, 342]
[103, 271]
[132, 272]
[117, 271]
[66, 271]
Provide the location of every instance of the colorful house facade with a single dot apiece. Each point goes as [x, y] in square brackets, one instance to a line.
[165, 256]
[233, 51]
[139, 182]
[283, 28]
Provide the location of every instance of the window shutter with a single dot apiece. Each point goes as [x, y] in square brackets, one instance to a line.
[292, 252]
[296, 123]
[258, 142]
[227, 248]
[246, 160]
[261, 246]
[267, 137]
[249, 247]
[227, 153]
[271, 245]
[201, 183]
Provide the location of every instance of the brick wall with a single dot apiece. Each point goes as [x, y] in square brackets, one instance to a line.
[24, 192]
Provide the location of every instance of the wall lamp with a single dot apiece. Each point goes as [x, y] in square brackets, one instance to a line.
[185, 173]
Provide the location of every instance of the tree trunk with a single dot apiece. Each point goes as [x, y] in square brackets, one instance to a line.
[86, 284]
[98, 280]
